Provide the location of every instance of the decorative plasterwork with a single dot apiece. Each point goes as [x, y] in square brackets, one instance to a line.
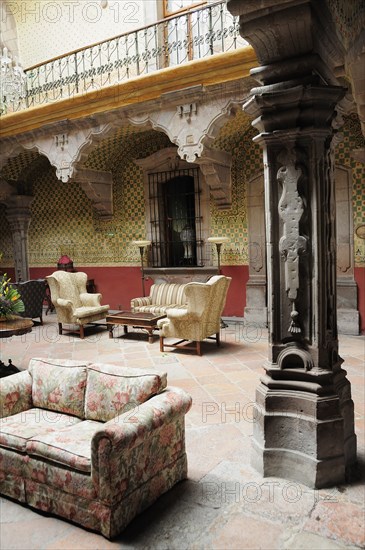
[191, 119]
[64, 149]
[64, 145]
[98, 187]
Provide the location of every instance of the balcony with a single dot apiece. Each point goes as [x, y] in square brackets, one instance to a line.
[196, 34]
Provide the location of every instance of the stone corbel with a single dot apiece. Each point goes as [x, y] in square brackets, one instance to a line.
[65, 148]
[216, 167]
[6, 190]
[98, 187]
[191, 126]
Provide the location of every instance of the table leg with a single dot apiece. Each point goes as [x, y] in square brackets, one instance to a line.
[150, 335]
[110, 329]
[125, 329]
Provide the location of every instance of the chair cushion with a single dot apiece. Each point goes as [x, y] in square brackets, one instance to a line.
[16, 430]
[82, 312]
[59, 385]
[112, 390]
[70, 446]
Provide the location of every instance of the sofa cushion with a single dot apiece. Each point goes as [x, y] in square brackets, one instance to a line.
[70, 446]
[59, 385]
[168, 293]
[16, 430]
[112, 390]
[158, 310]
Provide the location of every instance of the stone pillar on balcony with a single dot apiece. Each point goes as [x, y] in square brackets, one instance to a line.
[305, 427]
[18, 214]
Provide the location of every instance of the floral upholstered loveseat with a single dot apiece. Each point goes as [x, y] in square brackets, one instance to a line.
[161, 297]
[93, 443]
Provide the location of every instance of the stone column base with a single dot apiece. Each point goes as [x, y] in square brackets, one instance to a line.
[303, 436]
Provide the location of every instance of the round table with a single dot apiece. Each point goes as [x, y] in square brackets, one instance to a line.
[15, 326]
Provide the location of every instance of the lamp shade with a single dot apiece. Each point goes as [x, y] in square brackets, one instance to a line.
[218, 240]
[141, 243]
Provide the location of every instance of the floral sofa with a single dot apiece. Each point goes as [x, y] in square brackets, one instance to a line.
[93, 443]
[162, 296]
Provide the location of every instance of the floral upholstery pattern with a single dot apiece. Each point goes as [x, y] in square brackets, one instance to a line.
[99, 474]
[111, 391]
[201, 317]
[72, 303]
[162, 296]
[58, 386]
[69, 446]
[17, 430]
[16, 395]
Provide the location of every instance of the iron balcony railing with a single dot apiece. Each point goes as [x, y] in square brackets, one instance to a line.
[194, 34]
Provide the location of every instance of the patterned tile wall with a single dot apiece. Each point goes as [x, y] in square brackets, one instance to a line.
[64, 221]
[353, 139]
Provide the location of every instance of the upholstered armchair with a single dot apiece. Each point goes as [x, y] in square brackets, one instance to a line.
[33, 294]
[200, 319]
[73, 304]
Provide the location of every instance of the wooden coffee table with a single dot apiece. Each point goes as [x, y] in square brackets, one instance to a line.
[147, 321]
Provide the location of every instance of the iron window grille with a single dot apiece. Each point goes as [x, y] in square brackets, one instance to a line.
[175, 218]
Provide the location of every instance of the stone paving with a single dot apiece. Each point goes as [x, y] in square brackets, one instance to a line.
[225, 504]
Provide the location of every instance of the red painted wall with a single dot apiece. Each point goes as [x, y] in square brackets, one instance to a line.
[119, 285]
[359, 273]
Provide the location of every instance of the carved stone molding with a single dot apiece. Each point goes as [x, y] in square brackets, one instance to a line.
[191, 125]
[64, 145]
[63, 149]
[216, 167]
[98, 187]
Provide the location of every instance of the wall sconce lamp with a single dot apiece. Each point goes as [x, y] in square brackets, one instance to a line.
[218, 241]
[141, 245]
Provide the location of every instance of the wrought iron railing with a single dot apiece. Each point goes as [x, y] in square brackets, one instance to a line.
[194, 34]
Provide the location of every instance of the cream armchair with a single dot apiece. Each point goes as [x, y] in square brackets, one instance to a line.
[74, 306]
[200, 319]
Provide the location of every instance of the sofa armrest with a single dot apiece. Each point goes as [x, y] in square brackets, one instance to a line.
[15, 394]
[138, 302]
[90, 300]
[136, 445]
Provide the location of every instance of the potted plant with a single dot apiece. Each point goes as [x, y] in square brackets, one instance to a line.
[10, 300]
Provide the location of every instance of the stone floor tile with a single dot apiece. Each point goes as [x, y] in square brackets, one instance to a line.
[225, 503]
[340, 521]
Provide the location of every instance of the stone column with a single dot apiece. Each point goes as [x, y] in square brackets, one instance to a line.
[18, 214]
[256, 300]
[305, 426]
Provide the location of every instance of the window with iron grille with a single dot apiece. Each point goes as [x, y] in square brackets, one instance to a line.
[175, 218]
